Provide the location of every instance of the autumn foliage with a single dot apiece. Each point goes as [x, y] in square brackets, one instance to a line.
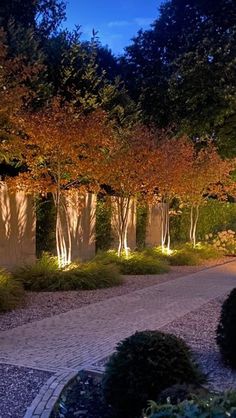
[62, 152]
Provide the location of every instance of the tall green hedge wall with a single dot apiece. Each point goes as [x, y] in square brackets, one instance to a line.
[214, 216]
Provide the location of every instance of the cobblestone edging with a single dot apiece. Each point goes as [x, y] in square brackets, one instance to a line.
[44, 402]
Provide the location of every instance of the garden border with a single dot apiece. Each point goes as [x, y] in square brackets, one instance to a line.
[44, 403]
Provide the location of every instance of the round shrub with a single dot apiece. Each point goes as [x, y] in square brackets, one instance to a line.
[142, 366]
[226, 330]
[11, 292]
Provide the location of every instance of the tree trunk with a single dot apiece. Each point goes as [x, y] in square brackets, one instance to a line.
[168, 226]
[194, 216]
[191, 224]
[123, 206]
[195, 225]
[165, 226]
[63, 249]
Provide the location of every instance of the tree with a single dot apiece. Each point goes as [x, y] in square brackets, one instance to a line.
[171, 160]
[44, 16]
[207, 175]
[15, 78]
[62, 154]
[127, 175]
[82, 77]
[182, 69]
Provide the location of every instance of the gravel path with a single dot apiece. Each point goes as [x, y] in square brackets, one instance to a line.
[18, 388]
[198, 329]
[47, 304]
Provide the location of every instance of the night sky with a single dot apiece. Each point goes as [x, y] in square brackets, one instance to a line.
[117, 21]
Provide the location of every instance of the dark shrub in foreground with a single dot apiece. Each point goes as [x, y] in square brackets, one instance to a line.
[226, 331]
[45, 275]
[211, 407]
[144, 365]
[11, 292]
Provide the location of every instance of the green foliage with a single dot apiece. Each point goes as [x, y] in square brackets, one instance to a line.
[136, 263]
[185, 254]
[142, 366]
[213, 407]
[180, 392]
[11, 292]
[226, 331]
[189, 41]
[213, 217]
[141, 226]
[184, 258]
[104, 236]
[45, 275]
[207, 251]
[45, 225]
[43, 15]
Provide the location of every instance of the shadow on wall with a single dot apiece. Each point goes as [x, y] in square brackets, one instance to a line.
[17, 228]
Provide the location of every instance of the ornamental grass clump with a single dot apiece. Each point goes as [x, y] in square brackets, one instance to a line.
[45, 275]
[11, 292]
[136, 263]
[226, 330]
[185, 257]
[142, 367]
[38, 275]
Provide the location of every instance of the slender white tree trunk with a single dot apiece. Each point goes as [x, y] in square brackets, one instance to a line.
[165, 226]
[191, 224]
[123, 207]
[194, 216]
[168, 226]
[63, 245]
[195, 225]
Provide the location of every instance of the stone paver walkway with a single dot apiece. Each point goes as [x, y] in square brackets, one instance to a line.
[83, 336]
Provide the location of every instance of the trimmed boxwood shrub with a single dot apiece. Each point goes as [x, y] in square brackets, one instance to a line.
[226, 331]
[142, 366]
[11, 292]
[212, 407]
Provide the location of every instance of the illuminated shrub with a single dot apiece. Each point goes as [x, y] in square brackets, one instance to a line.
[45, 275]
[11, 292]
[139, 263]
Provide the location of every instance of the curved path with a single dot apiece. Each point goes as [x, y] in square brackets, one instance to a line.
[66, 342]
